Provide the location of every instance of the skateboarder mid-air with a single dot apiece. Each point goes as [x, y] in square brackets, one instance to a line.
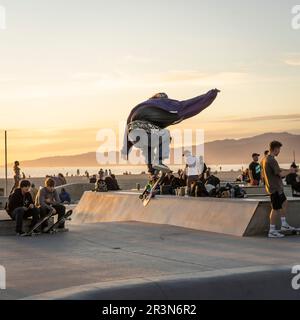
[147, 125]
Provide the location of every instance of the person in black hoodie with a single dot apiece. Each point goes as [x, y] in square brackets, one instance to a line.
[21, 206]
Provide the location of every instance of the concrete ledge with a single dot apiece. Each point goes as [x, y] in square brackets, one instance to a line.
[227, 216]
[239, 217]
[240, 283]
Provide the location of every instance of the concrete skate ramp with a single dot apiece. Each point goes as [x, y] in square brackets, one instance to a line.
[239, 217]
[76, 190]
[227, 284]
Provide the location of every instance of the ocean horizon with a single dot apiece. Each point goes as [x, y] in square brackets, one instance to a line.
[37, 172]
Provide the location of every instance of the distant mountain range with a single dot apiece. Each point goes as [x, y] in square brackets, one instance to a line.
[228, 151]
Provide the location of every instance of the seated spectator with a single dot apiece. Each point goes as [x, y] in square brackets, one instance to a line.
[208, 173]
[93, 179]
[213, 180]
[115, 182]
[167, 181]
[245, 176]
[198, 189]
[64, 196]
[112, 183]
[100, 185]
[48, 200]
[21, 206]
[293, 179]
[62, 179]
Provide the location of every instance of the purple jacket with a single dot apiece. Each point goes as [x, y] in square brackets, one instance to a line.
[184, 109]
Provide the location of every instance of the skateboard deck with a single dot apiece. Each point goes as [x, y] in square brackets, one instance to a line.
[53, 228]
[295, 232]
[149, 195]
[38, 224]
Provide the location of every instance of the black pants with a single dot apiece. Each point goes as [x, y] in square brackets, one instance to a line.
[60, 211]
[277, 200]
[158, 117]
[19, 214]
[189, 182]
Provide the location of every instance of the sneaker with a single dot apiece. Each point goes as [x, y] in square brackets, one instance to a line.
[162, 167]
[287, 227]
[275, 234]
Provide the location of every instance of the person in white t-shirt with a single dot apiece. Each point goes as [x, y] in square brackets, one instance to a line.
[194, 168]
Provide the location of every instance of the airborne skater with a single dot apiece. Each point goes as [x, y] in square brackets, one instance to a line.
[147, 123]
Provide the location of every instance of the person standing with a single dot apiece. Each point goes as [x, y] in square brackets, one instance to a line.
[274, 186]
[17, 176]
[255, 170]
[194, 168]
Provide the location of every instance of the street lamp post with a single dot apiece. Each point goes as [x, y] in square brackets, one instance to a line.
[6, 181]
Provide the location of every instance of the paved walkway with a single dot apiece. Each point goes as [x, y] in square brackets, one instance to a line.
[104, 252]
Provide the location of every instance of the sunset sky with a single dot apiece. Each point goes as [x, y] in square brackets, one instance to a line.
[69, 68]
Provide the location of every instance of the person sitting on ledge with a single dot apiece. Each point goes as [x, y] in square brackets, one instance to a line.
[47, 199]
[100, 185]
[21, 206]
[64, 196]
[93, 179]
[293, 180]
[112, 183]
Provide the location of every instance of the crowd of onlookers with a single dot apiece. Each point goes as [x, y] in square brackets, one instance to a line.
[195, 180]
[105, 181]
[254, 176]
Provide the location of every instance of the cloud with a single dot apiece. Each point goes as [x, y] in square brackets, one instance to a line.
[192, 77]
[93, 83]
[290, 117]
[293, 60]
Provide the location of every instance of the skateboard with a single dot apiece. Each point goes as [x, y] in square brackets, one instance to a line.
[54, 227]
[295, 232]
[146, 196]
[31, 232]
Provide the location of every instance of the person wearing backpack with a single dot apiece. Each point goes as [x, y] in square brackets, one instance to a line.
[21, 206]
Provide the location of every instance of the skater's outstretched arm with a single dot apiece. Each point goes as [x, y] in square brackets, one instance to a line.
[190, 108]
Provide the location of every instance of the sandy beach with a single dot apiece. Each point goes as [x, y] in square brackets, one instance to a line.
[126, 182]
